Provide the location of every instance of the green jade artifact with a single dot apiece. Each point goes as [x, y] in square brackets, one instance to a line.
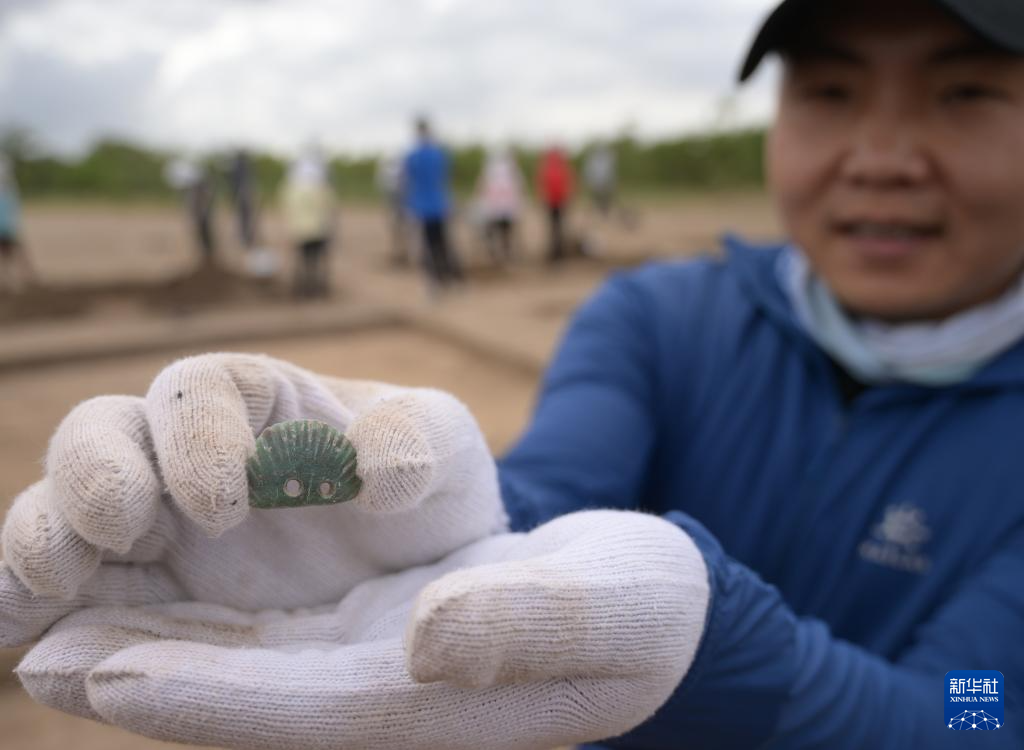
[302, 463]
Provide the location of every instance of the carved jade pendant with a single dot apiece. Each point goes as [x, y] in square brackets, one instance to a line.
[301, 463]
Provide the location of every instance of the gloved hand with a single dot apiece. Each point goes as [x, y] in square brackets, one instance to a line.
[161, 482]
[284, 629]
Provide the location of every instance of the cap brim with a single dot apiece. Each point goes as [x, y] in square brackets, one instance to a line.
[774, 28]
[998, 21]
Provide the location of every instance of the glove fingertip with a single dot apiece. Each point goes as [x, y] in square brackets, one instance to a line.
[441, 639]
[101, 473]
[200, 422]
[42, 549]
[19, 626]
[54, 671]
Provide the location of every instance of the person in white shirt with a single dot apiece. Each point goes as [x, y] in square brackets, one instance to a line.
[499, 200]
[309, 208]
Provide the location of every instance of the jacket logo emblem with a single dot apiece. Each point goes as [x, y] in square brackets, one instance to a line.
[896, 542]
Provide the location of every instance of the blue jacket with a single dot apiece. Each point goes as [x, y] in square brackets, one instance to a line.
[857, 552]
[425, 181]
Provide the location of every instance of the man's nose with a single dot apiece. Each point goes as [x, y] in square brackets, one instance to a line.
[888, 151]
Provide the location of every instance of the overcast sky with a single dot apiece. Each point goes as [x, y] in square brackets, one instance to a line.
[202, 74]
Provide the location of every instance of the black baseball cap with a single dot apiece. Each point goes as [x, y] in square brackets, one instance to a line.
[999, 21]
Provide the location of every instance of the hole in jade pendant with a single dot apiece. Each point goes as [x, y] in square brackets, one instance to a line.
[293, 488]
[326, 489]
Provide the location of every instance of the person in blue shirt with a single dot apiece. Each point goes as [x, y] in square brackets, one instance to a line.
[832, 419]
[425, 179]
[15, 268]
[830, 422]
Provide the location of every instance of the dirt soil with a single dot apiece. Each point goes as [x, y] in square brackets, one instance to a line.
[101, 266]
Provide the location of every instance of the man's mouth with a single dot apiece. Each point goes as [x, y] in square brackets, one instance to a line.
[889, 230]
[888, 240]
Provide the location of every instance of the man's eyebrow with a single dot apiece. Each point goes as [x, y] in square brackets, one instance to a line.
[821, 51]
[970, 52]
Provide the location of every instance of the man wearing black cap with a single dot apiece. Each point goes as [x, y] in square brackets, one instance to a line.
[833, 420]
[832, 423]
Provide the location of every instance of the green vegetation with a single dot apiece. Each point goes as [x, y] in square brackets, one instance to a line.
[704, 162]
[121, 171]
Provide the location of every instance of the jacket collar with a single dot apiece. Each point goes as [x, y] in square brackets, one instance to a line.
[754, 267]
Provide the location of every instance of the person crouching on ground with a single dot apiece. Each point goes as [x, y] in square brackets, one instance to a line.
[499, 196]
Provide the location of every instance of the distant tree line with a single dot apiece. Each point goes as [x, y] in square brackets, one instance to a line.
[119, 170]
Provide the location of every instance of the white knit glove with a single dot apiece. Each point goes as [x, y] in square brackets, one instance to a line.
[398, 620]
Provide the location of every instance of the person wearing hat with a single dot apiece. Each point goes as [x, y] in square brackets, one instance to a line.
[820, 436]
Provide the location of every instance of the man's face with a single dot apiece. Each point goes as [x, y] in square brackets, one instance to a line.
[897, 160]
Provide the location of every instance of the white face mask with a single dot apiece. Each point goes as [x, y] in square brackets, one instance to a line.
[935, 354]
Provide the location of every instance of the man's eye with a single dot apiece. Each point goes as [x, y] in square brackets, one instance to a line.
[969, 92]
[828, 92]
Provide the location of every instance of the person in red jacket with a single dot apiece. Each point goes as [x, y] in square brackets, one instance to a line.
[555, 184]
